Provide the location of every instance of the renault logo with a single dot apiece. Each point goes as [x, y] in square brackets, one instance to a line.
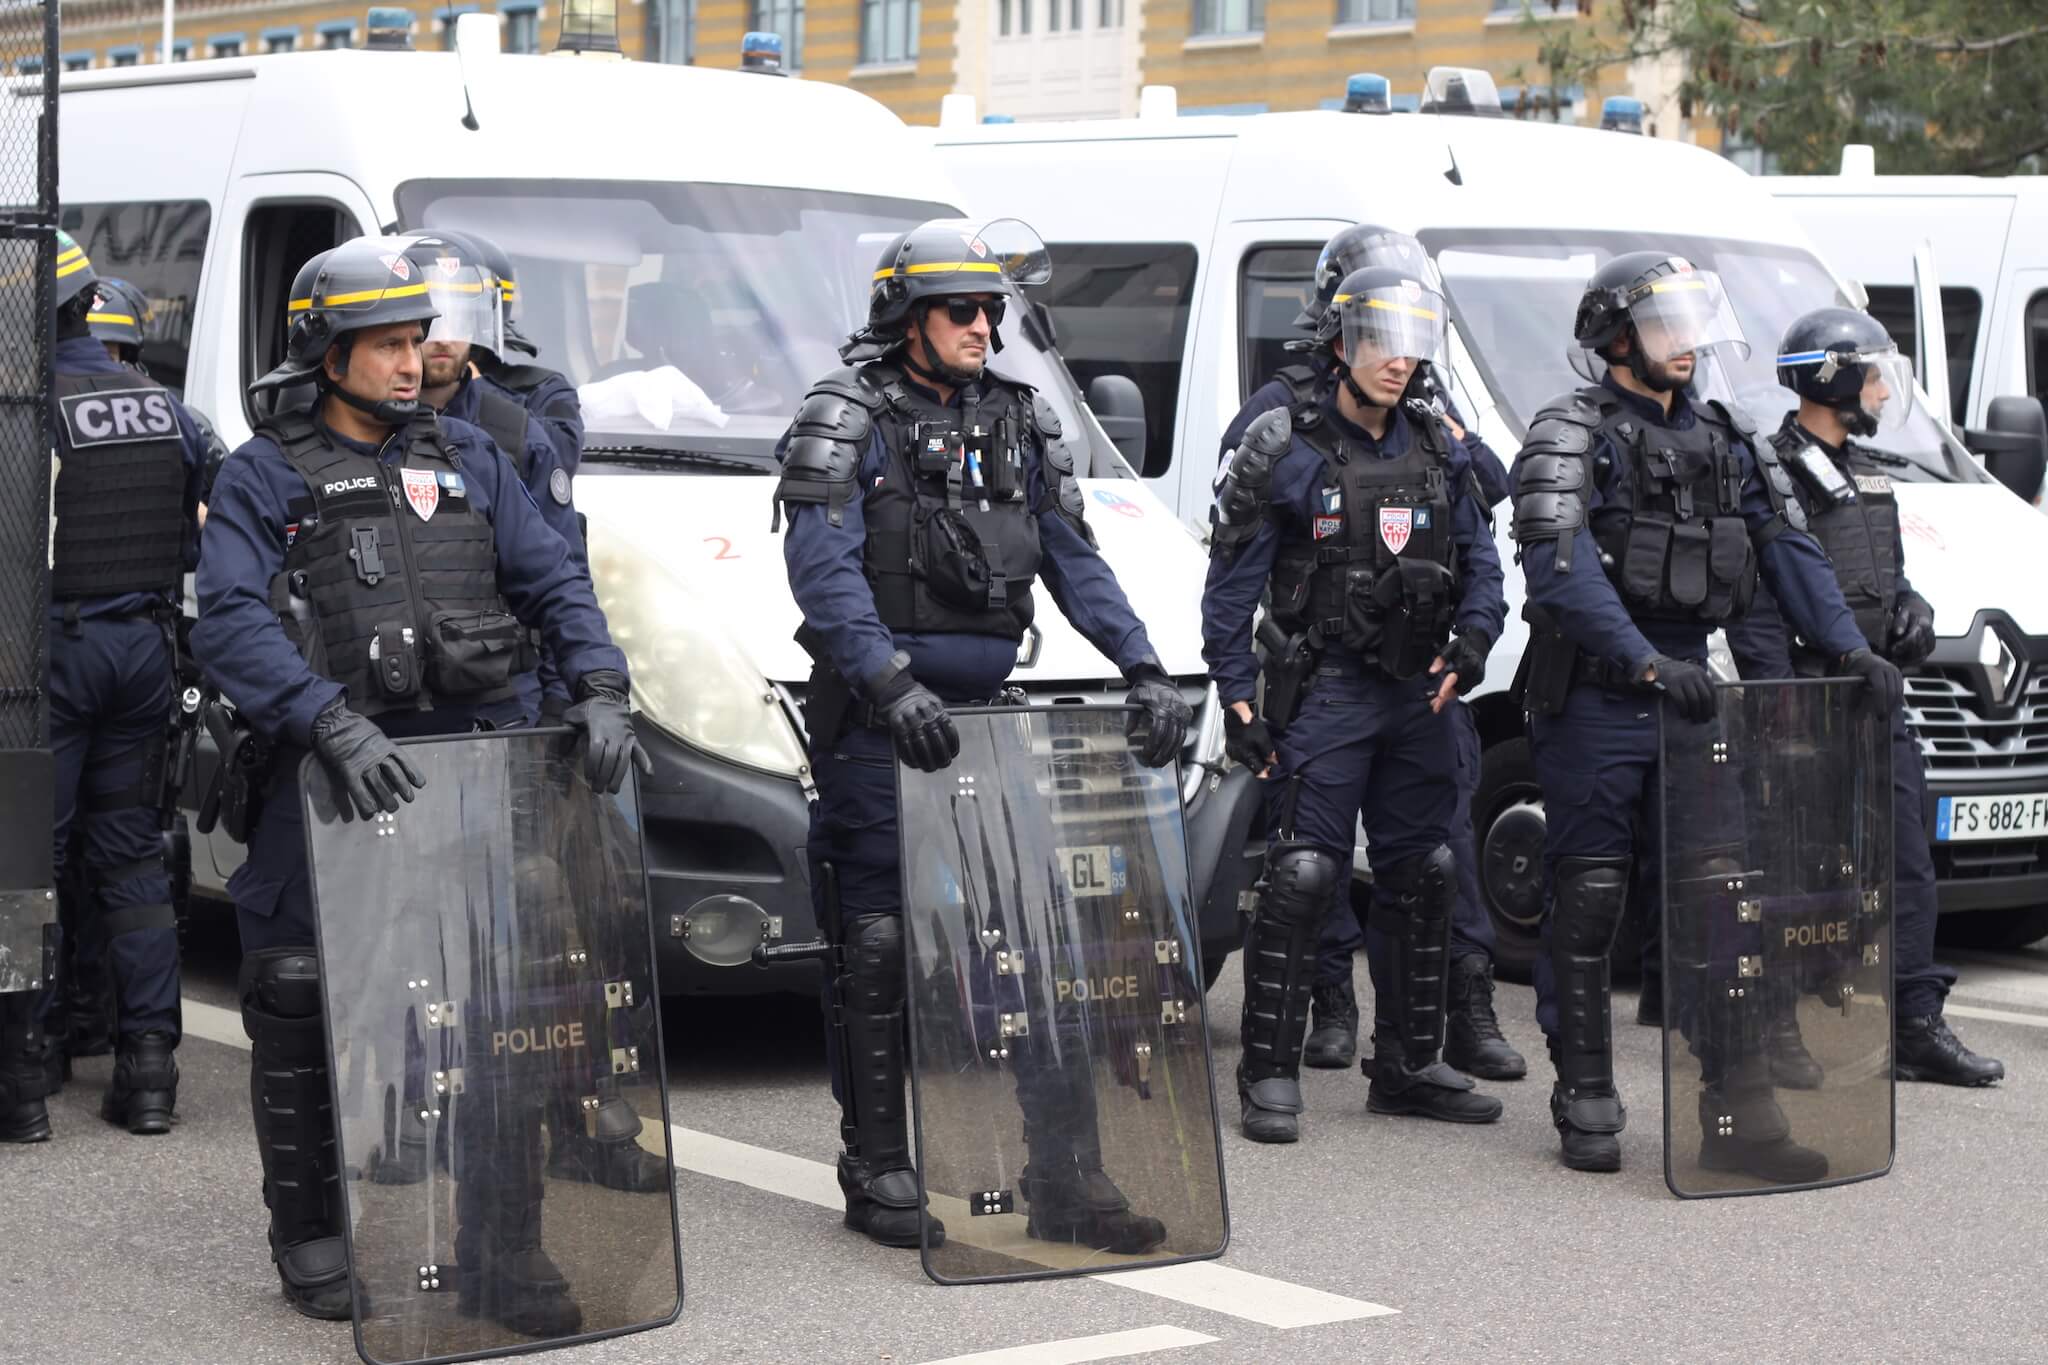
[2000, 663]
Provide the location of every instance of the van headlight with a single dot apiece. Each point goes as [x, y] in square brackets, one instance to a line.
[689, 679]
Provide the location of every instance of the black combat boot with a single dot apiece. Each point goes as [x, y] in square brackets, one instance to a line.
[604, 1152]
[1792, 1066]
[1743, 1130]
[1333, 1036]
[1407, 1071]
[143, 1096]
[25, 1079]
[1067, 1196]
[1472, 1038]
[875, 1171]
[503, 1273]
[1301, 883]
[1584, 1104]
[1927, 1050]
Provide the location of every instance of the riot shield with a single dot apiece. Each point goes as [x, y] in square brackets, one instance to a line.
[1066, 1119]
[1777, 845]
[491, 1005]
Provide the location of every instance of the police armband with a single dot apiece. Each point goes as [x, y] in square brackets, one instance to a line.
[1550, 478]
[822, 460]
[1062, 487]
[1241, 497]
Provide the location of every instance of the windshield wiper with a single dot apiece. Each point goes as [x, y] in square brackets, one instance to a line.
[629, 453]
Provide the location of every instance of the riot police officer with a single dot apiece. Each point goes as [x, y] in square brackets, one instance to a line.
[1644, 514]
[546, 394]
[126, 489]
[372, 570]
[469, 330]
[1362, 525]
[927, 493]
[1852, 382]
[1473, 1041]
[116, 319]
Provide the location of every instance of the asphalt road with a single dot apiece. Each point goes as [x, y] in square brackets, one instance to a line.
[1373, 1238]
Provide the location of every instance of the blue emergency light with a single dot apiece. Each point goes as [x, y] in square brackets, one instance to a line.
[1368, 93]
[1621, 114]
[762, 53]
[998, 118]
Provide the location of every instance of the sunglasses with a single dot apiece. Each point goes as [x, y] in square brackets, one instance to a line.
[961, 311]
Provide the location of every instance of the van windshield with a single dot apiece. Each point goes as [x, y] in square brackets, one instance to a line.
[691, 317]
[1513, 295]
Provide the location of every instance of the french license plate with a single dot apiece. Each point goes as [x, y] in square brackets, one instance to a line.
[1961, 818]
[1095, 870]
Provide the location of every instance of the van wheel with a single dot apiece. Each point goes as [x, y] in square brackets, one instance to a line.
[1508, 830]
[1995, 930]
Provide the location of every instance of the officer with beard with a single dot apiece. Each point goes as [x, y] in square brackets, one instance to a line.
[1361, 530]
[1852, 381]
[316, 623]
[926, 492]
[1473, 1042]
[1644, 519]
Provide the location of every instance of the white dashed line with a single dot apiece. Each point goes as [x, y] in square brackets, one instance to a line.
[1074, 1350]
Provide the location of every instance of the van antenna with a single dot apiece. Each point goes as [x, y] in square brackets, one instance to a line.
[1454, 175]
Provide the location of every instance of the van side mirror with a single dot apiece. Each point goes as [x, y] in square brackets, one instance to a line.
[2014, 444]
[1119, 405]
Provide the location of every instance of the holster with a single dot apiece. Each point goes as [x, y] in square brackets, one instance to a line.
[829, 699]
[1289, 664]
[242, 776]
[1550, 664]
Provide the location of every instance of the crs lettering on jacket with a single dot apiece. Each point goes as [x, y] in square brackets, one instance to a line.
[118, 416]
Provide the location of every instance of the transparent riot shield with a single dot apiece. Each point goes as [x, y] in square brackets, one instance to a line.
[489, 972]
[1066, 1118]
[1777, 834]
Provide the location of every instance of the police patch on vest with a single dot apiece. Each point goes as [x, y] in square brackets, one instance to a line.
[1397, 524]
[558, 486]
[452, 484]
[1328, 526]
[117, 416]
[422, 490]
[1874, 483]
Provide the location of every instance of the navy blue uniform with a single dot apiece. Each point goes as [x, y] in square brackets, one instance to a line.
[1762, 647]
[853, 822]
[111, 677]
[1598, 756]
[553, 443]
[253, 517]
[1339, 938]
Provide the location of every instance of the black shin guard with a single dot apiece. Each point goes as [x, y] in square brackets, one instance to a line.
[1302, 882]
[1591, 893]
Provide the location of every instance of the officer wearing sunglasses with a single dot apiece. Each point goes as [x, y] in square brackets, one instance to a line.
[926, 493]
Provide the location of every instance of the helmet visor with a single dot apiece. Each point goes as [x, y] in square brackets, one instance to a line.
[961, 256]
[1392, 322]
[1681, 314]
[367, 275]
[467, 301]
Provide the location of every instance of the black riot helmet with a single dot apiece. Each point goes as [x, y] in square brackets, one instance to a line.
[496, 260]
[119, 311]
[1829, 357]
[365, 282]
[463, 290]
[1355, 248]
[1670, 307]
[944, 258]
[75, 274]
[1381, 311]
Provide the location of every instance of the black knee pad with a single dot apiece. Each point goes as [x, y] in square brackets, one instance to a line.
[873, 976]
[1301, 883]
[1591, 893]
[283, 983]
[1430, 881]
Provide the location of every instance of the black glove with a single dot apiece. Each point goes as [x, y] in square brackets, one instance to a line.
[609, 743]
[1686, 685]
[1247, 741]
[372, 772]
[1163, 712]
[1911, 638]
[1466, 657]
[918, 724]
[1887, 687]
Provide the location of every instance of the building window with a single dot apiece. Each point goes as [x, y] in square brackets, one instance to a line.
[888, 30]
[78, 61]
[1214, 17]
[281, 40]
[1024, 15]
[785, 17]
[1375, 11]
[335, 33]
[671, 31]
[522, 29]
[28, 66]
[1003, 18]
[227, 45]
[1052, 16]
[123, 56]
[1111, 14]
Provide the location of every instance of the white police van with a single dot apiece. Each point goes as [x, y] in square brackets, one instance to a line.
[725, 223]
[1188, 245]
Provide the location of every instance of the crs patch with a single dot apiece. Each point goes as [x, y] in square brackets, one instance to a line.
[118, 417]
[1878, 484]
[1397, 524]
[422, 490]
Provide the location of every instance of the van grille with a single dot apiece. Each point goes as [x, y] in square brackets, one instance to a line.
[1959, 741]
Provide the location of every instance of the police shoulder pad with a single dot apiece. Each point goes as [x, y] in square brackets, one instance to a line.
[1557, 435]
[1045, 418]
[1271, 431]
[854, 383]
[1581, 407]
[1732, 415]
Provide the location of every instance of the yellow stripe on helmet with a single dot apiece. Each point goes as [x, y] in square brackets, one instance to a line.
[939, 267]
[1667, 286]
[1428, 314]
[119, 319]
[361, 296]
[453, 288]
[68, 252]
[80, 264]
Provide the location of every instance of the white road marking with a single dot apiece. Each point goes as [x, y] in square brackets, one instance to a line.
[1200, 1284]
[1074, 1350]
[1241, 1294]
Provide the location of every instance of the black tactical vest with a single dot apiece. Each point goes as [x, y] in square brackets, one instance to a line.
[1679, 550]
[400, 608]
[1377, 573]
[1861, 536]
[504, 421]
[946, 553]
[120, 490]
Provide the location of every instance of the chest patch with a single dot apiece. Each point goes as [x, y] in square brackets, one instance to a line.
[1879, 485]
[1326, 527]
[422, 490]
[1397, 524]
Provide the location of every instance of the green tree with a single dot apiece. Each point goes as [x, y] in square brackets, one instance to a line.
[1937, 86]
